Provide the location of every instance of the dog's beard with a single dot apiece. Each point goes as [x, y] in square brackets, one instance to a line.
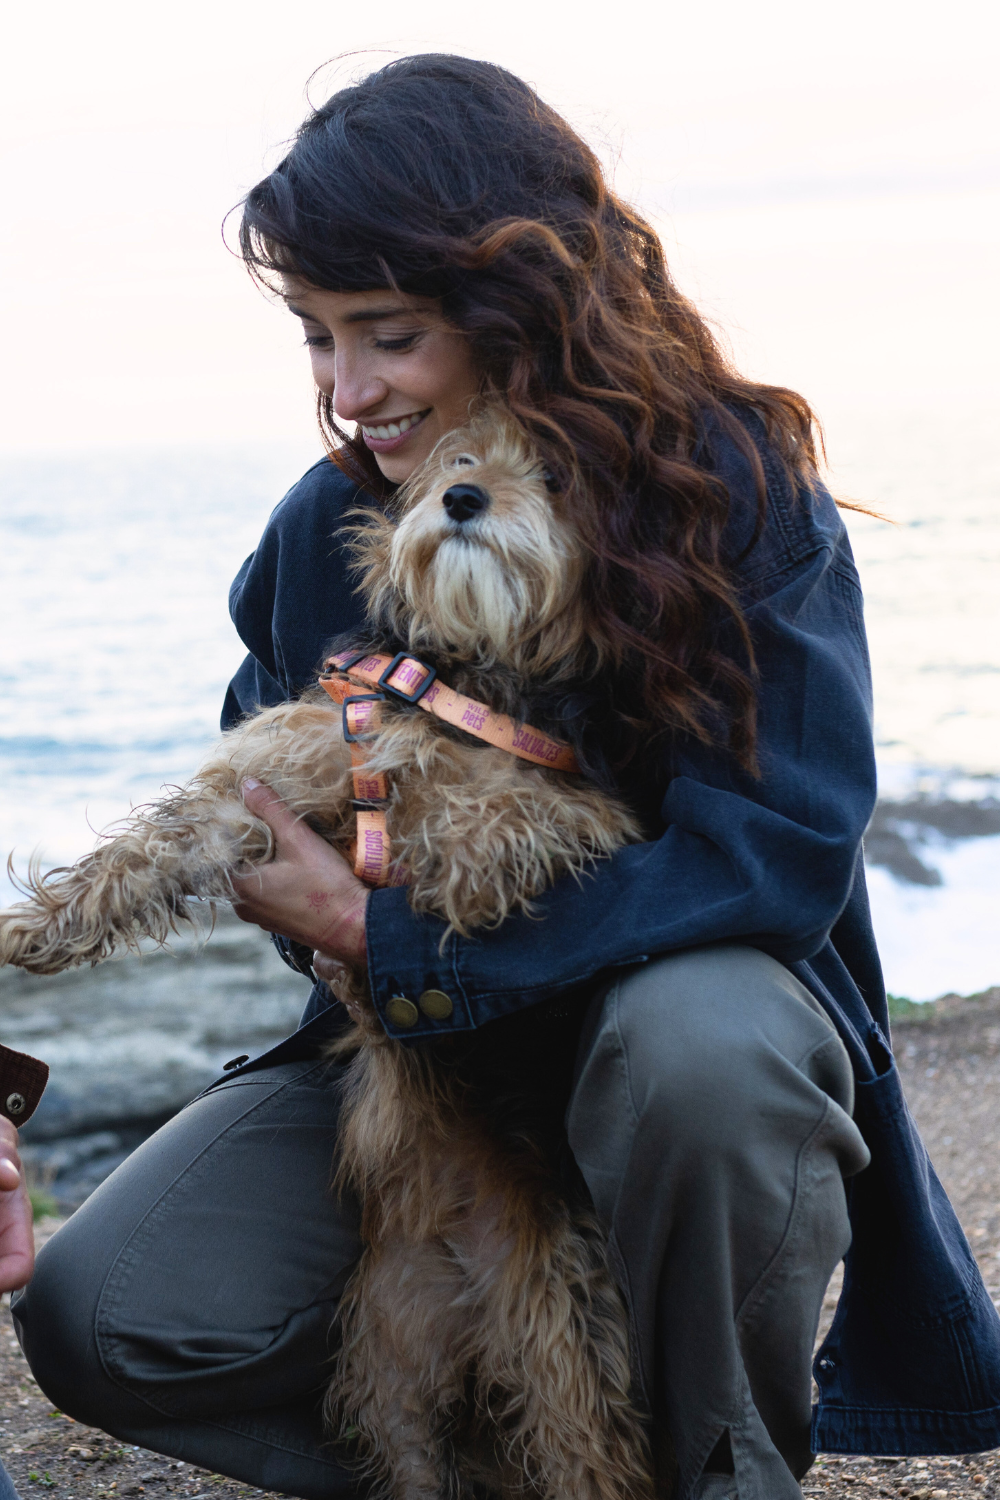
[500, 590]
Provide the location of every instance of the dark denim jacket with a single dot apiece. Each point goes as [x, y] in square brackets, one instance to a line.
[912, 1364]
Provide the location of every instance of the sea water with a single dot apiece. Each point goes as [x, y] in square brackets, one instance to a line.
[116, 647]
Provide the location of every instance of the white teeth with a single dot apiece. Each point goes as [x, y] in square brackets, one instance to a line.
[393, 429]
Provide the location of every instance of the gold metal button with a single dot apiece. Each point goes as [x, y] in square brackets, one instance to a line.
[402, 1012]
[436, 1005]
[16, 1104]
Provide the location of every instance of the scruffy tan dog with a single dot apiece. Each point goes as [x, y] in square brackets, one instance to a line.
[484, 1340]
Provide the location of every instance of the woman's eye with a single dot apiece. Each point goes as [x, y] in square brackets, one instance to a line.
[405, 342]
[318, 341]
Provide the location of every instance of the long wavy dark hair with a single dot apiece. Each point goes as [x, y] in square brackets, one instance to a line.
[450, 178]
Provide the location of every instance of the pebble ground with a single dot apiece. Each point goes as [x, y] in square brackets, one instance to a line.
[949, 1056]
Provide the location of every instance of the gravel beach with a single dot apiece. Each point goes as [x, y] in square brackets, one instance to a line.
[949, 1055]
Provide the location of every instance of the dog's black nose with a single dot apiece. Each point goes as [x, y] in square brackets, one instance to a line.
[464, 500]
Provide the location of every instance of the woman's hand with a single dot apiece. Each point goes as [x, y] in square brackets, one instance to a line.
[17, 1245]
[307, 891]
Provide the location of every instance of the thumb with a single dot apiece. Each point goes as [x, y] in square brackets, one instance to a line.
[268, 806]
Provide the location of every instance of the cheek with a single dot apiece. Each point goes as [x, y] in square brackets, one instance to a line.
[449, 375]
[322, 370]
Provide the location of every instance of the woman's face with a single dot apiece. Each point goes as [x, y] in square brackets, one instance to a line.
[391, 364]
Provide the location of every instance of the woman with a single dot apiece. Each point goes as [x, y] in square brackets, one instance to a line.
[443, 235]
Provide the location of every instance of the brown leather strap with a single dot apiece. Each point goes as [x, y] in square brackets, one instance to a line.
[22, 1084]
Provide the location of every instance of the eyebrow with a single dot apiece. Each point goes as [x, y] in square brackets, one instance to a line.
[363, 315]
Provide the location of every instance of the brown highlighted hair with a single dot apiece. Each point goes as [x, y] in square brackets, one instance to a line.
[450, 178]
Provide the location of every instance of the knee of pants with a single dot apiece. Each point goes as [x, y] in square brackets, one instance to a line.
[54, 1319]
[718, 1045]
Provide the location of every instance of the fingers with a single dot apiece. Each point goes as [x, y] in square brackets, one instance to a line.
[308, 891]
[326, 968]
[10, 1159]
[329, 970]
[17, 1250]
[268, 806]
[18, 1261]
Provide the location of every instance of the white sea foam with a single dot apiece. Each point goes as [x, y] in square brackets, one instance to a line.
[939, 939]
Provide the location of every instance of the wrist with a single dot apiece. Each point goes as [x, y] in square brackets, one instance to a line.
[344, 937]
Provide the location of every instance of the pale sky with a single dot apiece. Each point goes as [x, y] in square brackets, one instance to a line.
[826, 178]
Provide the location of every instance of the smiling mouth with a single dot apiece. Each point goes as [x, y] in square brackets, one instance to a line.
[384, 431]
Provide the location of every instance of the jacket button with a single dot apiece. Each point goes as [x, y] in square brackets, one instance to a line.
[402, 1012]
[16, 1104]
[236, 1062]
[436, 1005]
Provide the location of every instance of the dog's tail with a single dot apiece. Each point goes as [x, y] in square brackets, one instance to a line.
[138, 883]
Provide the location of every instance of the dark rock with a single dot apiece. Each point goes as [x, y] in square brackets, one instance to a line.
[132, 1041]
[899, 833]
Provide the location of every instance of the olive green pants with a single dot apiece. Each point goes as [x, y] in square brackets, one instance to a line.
[188, 1305]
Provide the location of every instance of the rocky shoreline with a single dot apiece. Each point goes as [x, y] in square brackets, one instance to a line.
[902, 834]
[131, 1042]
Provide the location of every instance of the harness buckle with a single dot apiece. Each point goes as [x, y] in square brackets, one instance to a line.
[352, 739]
[334, 664]
[421, 686]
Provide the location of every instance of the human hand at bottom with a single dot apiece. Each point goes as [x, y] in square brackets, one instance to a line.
[17, 1244]
[307, 892]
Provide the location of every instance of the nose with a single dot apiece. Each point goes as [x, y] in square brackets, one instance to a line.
[355, 389]
[462, 501]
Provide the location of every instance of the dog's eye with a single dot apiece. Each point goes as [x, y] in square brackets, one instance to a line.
[465, 458]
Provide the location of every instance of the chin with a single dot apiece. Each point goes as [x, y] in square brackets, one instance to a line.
[401, 466]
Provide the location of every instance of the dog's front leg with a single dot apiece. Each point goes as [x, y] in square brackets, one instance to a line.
[135, 884]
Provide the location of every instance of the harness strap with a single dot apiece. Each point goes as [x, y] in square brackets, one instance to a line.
[414, 682]
[371, 852]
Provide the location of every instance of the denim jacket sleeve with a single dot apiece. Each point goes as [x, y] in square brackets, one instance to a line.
[767, 860]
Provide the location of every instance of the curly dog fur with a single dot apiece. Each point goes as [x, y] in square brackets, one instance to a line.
[484, 1340]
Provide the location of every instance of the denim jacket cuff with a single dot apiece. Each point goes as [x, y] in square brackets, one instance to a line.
[413, 977]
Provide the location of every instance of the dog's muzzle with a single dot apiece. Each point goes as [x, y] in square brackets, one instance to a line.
[463, 501]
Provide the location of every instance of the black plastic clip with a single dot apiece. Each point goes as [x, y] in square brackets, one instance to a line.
[396, 692]
[352, 739]
[344, 666]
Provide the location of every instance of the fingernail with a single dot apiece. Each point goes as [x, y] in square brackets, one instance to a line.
[5, 1161]
[251, 784]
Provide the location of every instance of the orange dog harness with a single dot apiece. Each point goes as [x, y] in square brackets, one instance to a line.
[412, 681]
